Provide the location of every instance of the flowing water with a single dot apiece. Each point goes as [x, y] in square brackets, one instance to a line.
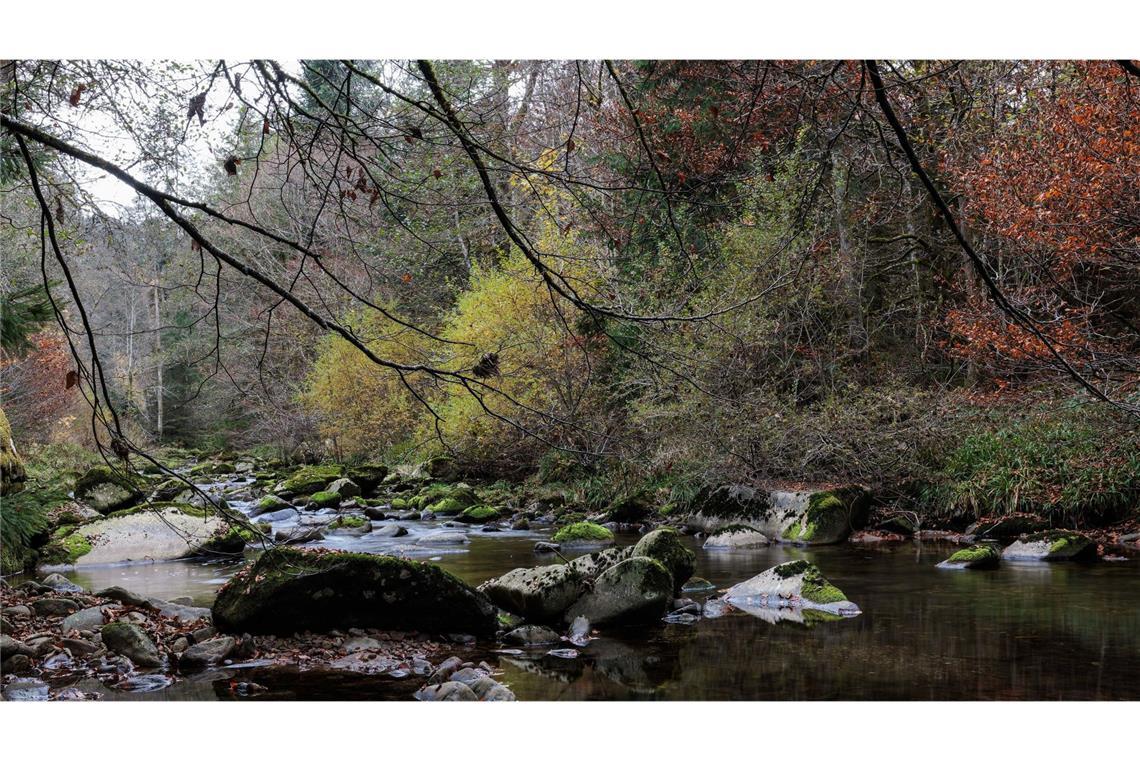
[1026, 631]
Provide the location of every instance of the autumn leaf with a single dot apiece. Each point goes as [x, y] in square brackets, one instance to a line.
[72, 379]
[76, 94]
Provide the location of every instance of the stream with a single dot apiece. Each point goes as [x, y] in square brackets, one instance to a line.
[1027, 631]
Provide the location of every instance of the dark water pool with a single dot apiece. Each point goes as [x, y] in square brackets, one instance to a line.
[1039, 632]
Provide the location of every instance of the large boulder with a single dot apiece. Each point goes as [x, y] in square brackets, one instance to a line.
[537, 593]
[1051, 546]
[828, 519]
[288, 590]
[798, 583]
[977, 557]
[106, 490]
[665, 546]
[810, 516]
[636, 590]
[150, 533]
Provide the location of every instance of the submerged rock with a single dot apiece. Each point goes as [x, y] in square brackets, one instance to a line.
[636, 590]
[1051, 546]
[532, 636]
[59, 583]
[737, 537]
[791, 584]
[981, 556]
[443, 537]
[696, 585]
[289, 590]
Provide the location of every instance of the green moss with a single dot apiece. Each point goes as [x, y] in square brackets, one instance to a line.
[585, 532]
[66, 546]
[825, 515]
[818, 589]
[310, 479]
[349, 521]
[971, 554]
[665, 546]
[325, 499]
[480, 513]
[447, 506]
[399, 503]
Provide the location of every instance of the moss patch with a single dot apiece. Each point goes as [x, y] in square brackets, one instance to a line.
[325, 499]
[584, 532]
[480, 513]
[310, 479]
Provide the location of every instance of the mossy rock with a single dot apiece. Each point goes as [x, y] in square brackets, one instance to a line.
[798, 583]
[232, 539]
[829, 518]
[290, 590]
[584, 533]
[106, 490]
[665, 546]
[478, 514]
[636, 590]
[1051, 546]
[322, 499]
[65, 546]
[447, 506]
[977, 557]
[212, 468]
[537, 593]
[309, 480]
[354, 524]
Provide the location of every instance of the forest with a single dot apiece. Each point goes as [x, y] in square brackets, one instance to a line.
[276, 307]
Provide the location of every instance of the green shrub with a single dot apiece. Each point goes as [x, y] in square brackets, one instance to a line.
[1073, 463]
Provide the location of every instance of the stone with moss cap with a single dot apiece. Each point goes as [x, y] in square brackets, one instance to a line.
[309, 480]
[478, 514]
[798, 583]
[288, 590]
[1051, 546]
[977, 557]
[325, 499]
[665, 546]
[828, 519]
[584, 533]
[355, 525]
